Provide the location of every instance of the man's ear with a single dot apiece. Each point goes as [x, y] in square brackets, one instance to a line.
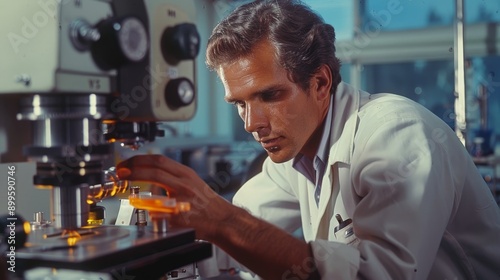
[321, 82]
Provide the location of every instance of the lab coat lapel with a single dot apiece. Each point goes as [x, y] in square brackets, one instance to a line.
[326, 205]
[341, 142]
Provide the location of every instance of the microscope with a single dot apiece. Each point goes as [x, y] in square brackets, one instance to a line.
[92, 73]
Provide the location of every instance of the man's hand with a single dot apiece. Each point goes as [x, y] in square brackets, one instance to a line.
[260, 246]
[208, 210]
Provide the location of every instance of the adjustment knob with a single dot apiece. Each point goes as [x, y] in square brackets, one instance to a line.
[82, 34]
[179, 92]
[180, 42]
[121, 41]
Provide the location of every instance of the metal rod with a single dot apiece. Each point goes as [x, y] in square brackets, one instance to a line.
[356, 66]
[459, 54]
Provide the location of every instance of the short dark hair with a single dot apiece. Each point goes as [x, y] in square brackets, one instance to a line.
[303, 41]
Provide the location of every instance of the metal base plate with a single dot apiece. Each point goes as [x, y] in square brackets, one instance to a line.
[132, 251]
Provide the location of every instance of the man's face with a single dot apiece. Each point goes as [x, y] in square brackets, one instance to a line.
[280, 115]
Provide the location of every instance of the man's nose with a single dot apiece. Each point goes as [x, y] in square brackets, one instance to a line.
[255, 118]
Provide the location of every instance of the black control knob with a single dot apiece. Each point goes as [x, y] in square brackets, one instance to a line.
[180, 42]
[179, 92]
[122, 41]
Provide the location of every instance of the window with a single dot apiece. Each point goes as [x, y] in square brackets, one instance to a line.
[424, 14]
[407, 47]
[430, 83]
[338, 13]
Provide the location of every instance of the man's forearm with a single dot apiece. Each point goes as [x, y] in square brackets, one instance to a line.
[265, 249]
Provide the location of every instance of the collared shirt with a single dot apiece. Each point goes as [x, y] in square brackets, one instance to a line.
[314, 170]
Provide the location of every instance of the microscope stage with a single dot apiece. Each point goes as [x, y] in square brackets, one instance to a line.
[134, 250]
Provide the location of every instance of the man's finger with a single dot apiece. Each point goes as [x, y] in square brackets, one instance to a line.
[152, 162]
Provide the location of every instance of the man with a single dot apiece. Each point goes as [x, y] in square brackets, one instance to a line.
[419, 208]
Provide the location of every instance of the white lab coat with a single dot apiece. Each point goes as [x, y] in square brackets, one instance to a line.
[419, 207]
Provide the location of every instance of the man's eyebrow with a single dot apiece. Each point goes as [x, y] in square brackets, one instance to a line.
[272, 88]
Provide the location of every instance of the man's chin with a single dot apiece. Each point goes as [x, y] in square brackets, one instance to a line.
[279, 156]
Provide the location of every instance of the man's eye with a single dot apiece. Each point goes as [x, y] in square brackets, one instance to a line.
[268, 96]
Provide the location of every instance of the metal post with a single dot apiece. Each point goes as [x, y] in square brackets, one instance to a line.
[459, 53]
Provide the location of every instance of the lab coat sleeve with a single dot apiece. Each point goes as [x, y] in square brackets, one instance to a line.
[335, 260]
[269, 195]
[403, 186]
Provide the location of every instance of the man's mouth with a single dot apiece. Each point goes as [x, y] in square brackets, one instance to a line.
[271, 145]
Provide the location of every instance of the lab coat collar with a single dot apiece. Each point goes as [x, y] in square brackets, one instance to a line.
[344, 123]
